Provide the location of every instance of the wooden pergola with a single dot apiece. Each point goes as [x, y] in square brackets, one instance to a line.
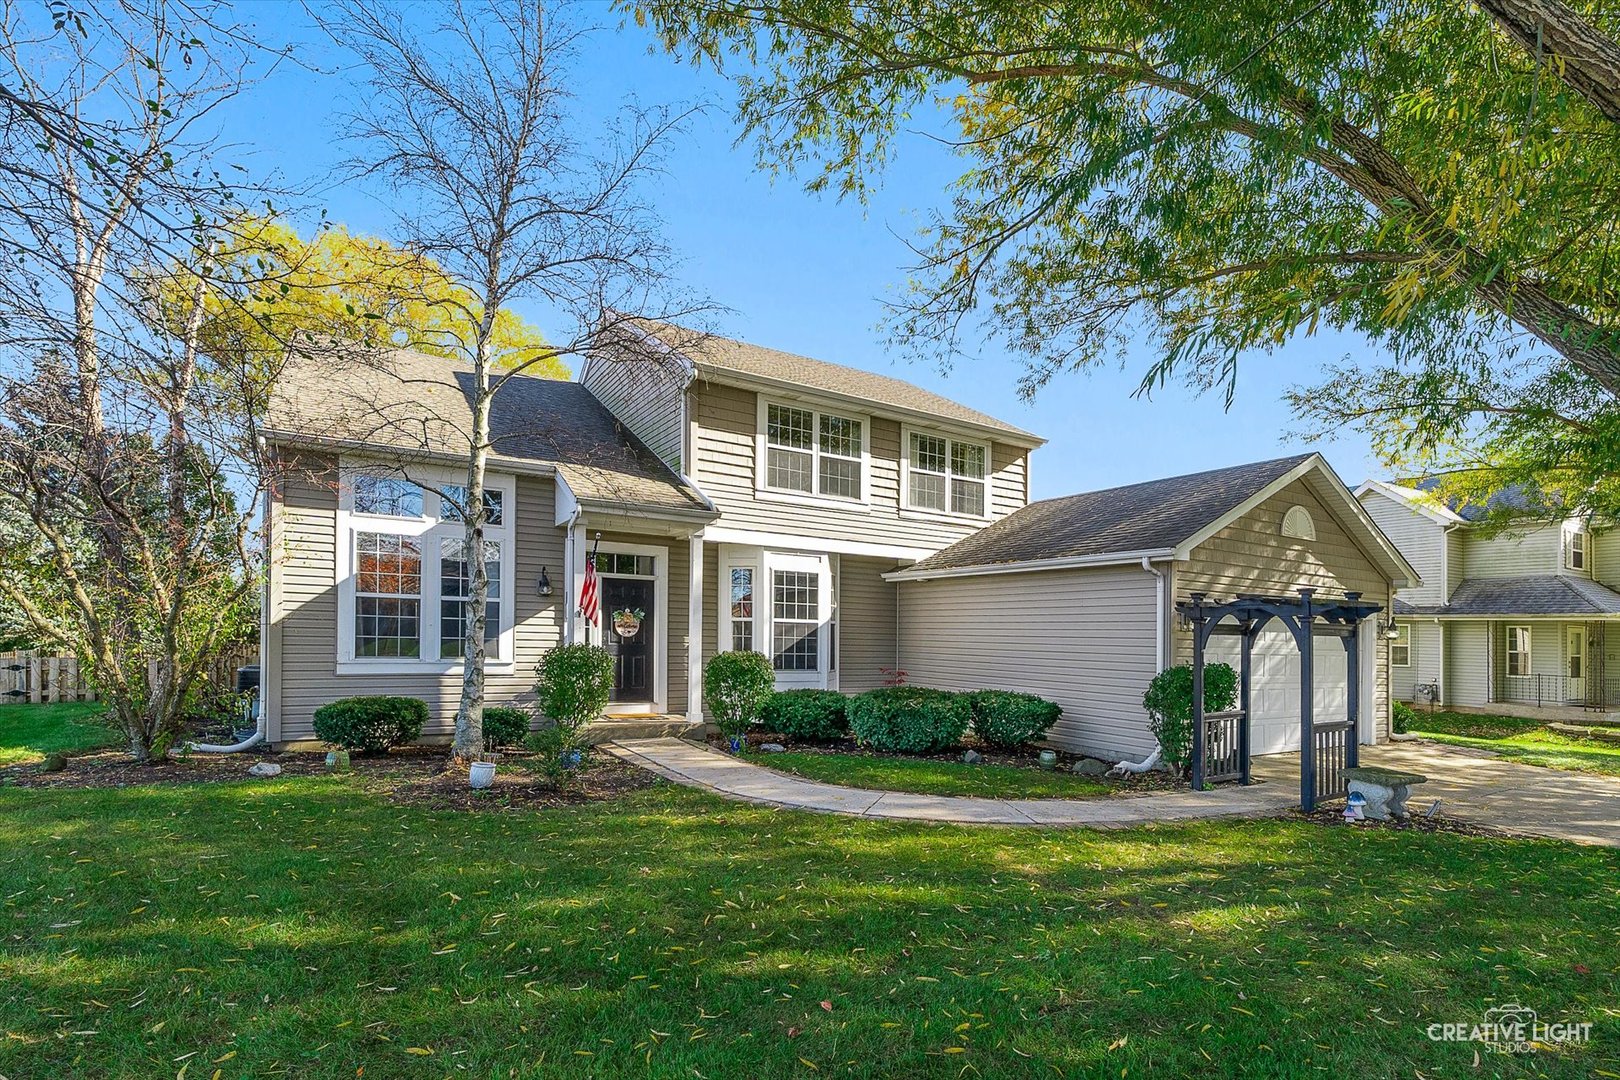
[1221, 741]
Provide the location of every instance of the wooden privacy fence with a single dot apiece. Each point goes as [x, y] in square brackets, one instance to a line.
[42, 677]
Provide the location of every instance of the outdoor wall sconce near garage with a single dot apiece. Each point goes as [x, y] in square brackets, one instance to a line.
[545, 583]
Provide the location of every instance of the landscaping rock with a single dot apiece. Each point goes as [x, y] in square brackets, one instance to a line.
[972, 757]
[1090, 767]
[265, 768]
[55, 762]
[772, 747]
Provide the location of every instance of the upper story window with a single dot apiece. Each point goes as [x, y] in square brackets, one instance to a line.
[454, 496]
[386, 496]
[814, 453]
[946, 475]
[1575, 549]
[1297, 522]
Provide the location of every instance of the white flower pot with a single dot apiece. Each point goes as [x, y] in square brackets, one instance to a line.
[481, 774]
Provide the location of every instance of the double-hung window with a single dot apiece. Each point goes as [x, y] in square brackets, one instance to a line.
[741, 608]
[946, 475]
[1518, 650]
[406, 587]
[814, 453]
[795, 622]
[1400, 646]
[1575, 549]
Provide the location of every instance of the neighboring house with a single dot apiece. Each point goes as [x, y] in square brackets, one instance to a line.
[1520, 619]
[743, 498]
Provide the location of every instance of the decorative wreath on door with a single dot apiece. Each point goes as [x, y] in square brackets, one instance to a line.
[627, 621]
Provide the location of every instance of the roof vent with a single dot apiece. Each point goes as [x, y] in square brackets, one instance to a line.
[1298, 524]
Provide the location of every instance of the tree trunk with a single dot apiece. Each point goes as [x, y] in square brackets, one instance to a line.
[469, 737]
[1549, 28]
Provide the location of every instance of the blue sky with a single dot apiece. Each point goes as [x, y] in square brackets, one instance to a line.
[808, 274]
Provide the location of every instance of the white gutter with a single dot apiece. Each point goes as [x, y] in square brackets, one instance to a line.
[1113, 558]
[1158, 613]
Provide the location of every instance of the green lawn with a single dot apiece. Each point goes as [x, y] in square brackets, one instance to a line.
[934, 777]
[1528, 741]
[29, 732]
[304, 927]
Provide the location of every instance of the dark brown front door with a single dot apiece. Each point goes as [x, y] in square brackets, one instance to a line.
[632, 653]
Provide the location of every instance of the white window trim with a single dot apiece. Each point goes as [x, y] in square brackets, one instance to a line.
[764, 562]
[907, 510]
[1406, 628]
[1529, 651]
[764, 491]
[430, 531]
[660, 651]
[1570, 536]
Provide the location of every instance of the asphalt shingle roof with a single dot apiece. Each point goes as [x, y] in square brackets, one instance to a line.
[1549, 594]
[718, 356]
[1151, 516]
[411, 403]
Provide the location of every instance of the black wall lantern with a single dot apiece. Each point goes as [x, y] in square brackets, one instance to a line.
[545, 583]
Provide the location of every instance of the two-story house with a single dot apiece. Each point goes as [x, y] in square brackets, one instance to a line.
[1512, 620]
[845, 524]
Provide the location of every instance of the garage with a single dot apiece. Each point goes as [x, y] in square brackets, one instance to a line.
[1274, 686]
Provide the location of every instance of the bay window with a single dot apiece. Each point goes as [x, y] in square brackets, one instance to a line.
[945, 475]
[813, 453]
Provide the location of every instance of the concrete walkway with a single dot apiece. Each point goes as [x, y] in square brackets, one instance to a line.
[701, 767]
[1479, 787]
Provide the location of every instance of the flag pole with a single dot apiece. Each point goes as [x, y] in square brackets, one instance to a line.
[595, 549]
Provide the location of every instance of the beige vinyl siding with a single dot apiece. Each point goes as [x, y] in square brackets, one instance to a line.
[646, 397]
[1536, 551]
[867, 616]
[675, 622]
[1468, 663]
[1082, 638]
[1428, 658]
[1606, 557]
[305, 611]
[1252, 556]
[727, 418]
[1420, 538]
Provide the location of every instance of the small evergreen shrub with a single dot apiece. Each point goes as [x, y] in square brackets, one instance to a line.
[807, 715]
[504, 725]
[736, 686]
[371, 725]
[1008, 718]
[573, 685]
[552, 745]
[909, 719]
[1403, 718]
[1169, 701]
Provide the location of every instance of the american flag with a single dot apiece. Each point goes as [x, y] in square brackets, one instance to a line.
[589, 598]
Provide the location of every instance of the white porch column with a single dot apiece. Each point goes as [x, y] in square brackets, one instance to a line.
[694, 629]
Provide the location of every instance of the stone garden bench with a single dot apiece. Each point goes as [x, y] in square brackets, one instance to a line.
[1386, 790]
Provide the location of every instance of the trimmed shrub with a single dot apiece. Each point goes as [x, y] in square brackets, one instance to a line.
[1169, 700]
[574, 684]
[807, 715]
[1008, 718]
[1403, 718]
[909, 719]
[371, 725]
[736, 686]
[504, 725]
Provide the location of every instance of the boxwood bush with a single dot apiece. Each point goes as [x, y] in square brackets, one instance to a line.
[371, 725]
[1008, 718]
[807, 715]
[505, 725]
[909, 719]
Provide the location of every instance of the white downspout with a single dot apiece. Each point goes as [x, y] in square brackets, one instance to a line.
[1152, 760]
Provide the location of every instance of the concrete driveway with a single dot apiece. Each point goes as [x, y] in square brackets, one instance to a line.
[1480, 787]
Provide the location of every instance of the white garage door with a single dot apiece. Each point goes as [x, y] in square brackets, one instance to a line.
[1274, 689]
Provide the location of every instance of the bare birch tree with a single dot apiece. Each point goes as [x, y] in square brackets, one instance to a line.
[466, 120]
[125, 450]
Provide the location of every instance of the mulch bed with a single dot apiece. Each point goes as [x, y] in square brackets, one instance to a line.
[1333, 817]
[412, 776]
[1023, 757]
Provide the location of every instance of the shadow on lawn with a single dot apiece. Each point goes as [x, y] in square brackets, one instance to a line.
[306, 926]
